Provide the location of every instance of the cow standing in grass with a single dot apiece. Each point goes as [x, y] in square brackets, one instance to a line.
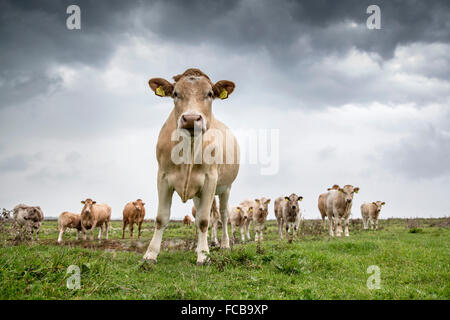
[68, 220]
[214, 221]
[370, 213]
[322, 205]
[249, 206]
[28, 218]
[339, 207]
[133, 213]
[93, 216]
[288, 214]
[192, 125]
[259, 216]
[239, 215]
[187, 220]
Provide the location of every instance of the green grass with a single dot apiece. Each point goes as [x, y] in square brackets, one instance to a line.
[414, 265]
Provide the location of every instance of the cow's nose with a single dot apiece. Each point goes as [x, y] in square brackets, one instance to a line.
[189, 121]
[349, 200]
[294, 207]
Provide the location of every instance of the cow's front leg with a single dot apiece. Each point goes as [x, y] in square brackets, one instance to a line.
[223, 203]
[256, 229]
[214, 234]
[280, 227]
[100, 232]
[331, 226]
[78, 235]
[338, 226]
[92, 229]
[61, 231]
[247, 231]
[261, 229]
[165, 194]
[241, 229]
[376, 224]
[346, 233]
[83, 229]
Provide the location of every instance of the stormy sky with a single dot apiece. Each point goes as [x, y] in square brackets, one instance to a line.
[351, 105]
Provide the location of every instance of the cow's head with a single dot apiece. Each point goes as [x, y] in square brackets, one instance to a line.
[292, 204]
[88, 203]
[263, 207]
[192, 93]
[378, 205]
[243, 211]
[138, 205]
[348, 191]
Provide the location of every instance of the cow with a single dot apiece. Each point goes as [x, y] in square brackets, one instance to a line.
[187, 220]
[249, 207]
[288, 214]
[134, 212]
[259, 216]
[29, 218]
[93, 216]
[214, 221]
[322, 203]
[68, 220]
[338, 207]
[238, 217]
[192, 121]
[370, 212]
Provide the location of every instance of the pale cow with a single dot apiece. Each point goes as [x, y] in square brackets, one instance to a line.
[249, 205]
[93, 216]
[370, 212]
[238, 217]
[134, 212]
[68, 220]
[192, 120]
[339, 207]
[214, 221]
[259, 216]
[322, 205]
[288, 214]
[29, 218]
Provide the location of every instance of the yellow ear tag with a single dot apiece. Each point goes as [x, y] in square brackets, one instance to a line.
[160, 91]
[223, 94]
[238, 210]
[251, 210]
[356, 191]
[286, 200]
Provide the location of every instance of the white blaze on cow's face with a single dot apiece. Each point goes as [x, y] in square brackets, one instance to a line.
[379, 204]
[244, 211]
[348, 191]
[263, 206]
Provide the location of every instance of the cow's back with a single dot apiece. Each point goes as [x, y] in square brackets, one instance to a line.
[70, 220]
[129, 212]
[102, 212]
[367, 209]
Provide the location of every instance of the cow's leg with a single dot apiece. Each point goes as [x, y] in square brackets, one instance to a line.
[233, 230]
[139, 229]
[280, 227]
[131, 228]
[256, 230]
[338, 225]
[37, 231]
[61, 231]
[376, 224]
[108, 222]
[165, 194]
[214, 234]
[331, 226]
[242, 231]
[365, 223]
[124, 226]
[223, 204]
[346, 233]
[100, 232]
[78, 235]
[248, 229]
[83, 229]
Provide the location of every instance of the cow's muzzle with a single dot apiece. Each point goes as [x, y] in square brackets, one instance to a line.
[191, 121]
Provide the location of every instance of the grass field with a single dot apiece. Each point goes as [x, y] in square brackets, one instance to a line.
[413, 257]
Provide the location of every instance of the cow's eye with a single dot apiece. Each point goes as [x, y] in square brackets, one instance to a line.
[210, 94]
[175, 94]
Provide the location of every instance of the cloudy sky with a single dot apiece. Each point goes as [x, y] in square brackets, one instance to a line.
[350, 105]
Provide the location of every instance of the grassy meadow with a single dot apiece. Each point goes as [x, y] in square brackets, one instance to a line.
[413, 256]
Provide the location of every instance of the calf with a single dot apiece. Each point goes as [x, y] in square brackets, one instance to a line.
[249, 205]
[322, 205]
[338, 208]
[68, 220]
[192, 121]
[214, 221]
[28, 218]
[93, 216]
[370, 213]
[260, 213]
[134, 212]
[187, 220]
[238, 217]
[288, 214]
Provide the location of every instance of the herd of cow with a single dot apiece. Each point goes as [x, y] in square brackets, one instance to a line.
[191, 117]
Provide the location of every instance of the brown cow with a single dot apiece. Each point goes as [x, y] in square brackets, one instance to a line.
[204, 170]
[134, 212]
[214, 220]
[259, 216]
[288, 214]
[239, 215]
[338, 206]
[187, 220]
[322, 204]
[68, 220]
[28, 217]
[249, 206]
[93, 216]
[370, 213]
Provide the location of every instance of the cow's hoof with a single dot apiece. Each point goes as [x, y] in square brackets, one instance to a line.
[213, 244]
[203, 263]
[147, 265]
[290, 241]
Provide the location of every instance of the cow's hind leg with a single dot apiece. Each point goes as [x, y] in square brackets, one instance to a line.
[165, 194]
[124, 226]
[100, 232]
[131, 228]
[107, 224]
[61, 231]
[139, 229]
[346, 233]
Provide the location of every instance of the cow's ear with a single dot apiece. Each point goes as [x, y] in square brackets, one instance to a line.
[238, 209]
[257, 201]
[82, 202]
[223, 88]
[328, 189]
[383, 203]
[250, 209]
[94, 202]
[161, 87]
[374, 203]
[341, 190]
[143, 203]
[268, 201]
[134, 203]
[356, 190]
[300, 198]
[286, 198]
